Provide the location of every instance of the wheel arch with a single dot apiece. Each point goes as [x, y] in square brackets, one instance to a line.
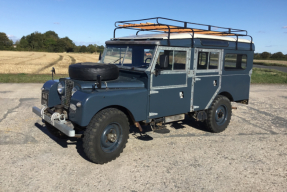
[126, 111]
[227, 94]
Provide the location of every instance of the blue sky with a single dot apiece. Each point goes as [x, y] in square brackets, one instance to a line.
[92, 22]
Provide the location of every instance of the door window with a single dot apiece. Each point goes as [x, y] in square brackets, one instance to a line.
[176, 60]
[208, 60]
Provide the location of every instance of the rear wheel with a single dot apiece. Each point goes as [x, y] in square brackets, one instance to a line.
[219, 115]
[106, 136]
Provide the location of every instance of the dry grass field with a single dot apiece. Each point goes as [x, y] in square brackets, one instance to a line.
[13, 62]
[270, 62]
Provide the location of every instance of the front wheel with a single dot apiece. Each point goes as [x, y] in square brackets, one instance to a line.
[106, 135]
[219, 115]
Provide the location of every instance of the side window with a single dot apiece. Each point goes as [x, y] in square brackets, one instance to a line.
[235, 61]
[202, 60]
[176, 60]
[179, 60]
[147, 56]
[208, 60]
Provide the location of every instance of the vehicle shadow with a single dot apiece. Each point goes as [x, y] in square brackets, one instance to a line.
[62, 142]
[187, 122]
[134, 131]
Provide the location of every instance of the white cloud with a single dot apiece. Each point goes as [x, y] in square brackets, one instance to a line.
[11, 36]
[285, 27]
[56, 23]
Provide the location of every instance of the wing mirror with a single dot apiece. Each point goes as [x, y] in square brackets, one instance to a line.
[100, 57]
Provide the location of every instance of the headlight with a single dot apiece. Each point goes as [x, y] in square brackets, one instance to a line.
[61, 88]
[74, 90]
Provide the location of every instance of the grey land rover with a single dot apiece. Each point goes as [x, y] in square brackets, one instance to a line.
[150, 79]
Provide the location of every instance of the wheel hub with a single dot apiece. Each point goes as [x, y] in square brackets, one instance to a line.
[221, 115]
[112, 137]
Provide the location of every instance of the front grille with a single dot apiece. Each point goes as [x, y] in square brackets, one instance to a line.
[69, 85]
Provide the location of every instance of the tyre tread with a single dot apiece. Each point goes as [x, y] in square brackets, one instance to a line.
[89, 135]
[209, 125]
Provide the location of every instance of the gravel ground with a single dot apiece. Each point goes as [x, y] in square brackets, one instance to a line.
[250, 155]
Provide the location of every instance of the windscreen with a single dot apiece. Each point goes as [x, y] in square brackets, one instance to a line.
[138, 56]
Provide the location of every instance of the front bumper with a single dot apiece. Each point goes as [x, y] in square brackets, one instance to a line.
[68, 130]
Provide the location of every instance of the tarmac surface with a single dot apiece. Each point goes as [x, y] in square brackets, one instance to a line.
[250, 155]
[283, 69]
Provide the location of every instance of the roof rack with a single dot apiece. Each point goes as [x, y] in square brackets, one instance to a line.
[158, 26]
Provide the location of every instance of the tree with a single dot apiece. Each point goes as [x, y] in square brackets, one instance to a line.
[69, 44]
[5, 42]
[92, 48]
[100, 48]
[278, 55]
[265, 55]
[83, 49]
[51, 34]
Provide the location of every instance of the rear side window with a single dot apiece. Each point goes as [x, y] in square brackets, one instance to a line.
[208, 60]
[235, 61]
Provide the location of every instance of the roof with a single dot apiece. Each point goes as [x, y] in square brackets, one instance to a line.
[182, 36]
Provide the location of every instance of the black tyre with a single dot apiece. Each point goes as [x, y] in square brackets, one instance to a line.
[54, 131]
[106, 136]
[219, 115]
[90, 71]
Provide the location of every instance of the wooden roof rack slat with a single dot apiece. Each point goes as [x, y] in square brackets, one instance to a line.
[181, 28]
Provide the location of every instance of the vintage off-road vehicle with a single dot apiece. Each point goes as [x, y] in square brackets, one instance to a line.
[183, 69]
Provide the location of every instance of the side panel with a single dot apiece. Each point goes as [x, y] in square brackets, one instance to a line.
[237, 85]
[168, 101]
[204, 89]
[237, 82]
[169, 79]
[133, 99]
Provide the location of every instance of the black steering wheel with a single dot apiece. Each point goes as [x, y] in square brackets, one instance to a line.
[147, 59]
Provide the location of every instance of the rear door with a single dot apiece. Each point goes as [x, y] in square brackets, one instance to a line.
[207, 79]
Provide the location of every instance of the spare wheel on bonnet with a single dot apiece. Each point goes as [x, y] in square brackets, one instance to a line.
[89, 71]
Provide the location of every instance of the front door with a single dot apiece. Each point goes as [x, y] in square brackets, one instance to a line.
[207, 80]
[169, 93]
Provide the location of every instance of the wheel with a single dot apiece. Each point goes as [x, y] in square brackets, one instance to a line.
[219, 115]
[54, 131]
[90, 71]
[106, 136]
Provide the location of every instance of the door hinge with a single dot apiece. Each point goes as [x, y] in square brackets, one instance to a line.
[153, 114]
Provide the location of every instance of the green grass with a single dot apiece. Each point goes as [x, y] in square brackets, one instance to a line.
[260, 76]
[28, 78]
[268, 76]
